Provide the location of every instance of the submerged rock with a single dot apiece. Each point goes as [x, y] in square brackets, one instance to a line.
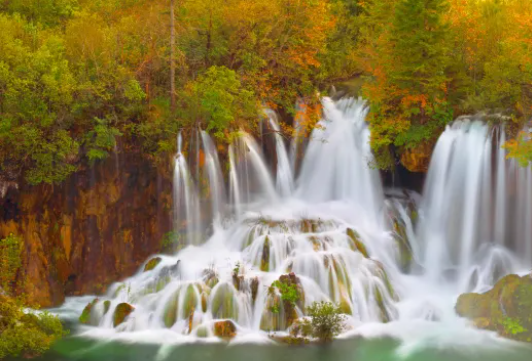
[152, 263]
[225, 329]
[506, 309]
[121, 312]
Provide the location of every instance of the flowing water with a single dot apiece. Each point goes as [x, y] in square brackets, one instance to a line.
[395, 264]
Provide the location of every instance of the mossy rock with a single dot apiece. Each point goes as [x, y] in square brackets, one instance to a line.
[85, 317]
[106, 306]
[506, 309]
[265, 259]
[122, 311]
[290, 340]
[223, 303]
[225, 329]
[357, 245]
[170, 311]
[152, 263]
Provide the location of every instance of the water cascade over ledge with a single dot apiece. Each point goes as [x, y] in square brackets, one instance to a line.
[331, 234]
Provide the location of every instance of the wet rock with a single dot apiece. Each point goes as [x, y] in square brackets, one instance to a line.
[265, 260]
[358, 245]
[506, 309]
[106, 306]
[225, 329]
[290, 340]
[85, 317]
[417, 159]
[122, 311]
[210, 277]
[93, 229]
[171, 271]
[152, 263]
[224, 302]
[301, 327]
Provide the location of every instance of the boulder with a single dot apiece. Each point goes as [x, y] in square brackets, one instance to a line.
[506, 309]
[122, 311]
[225, 329]
[85, 317]
[152, 263]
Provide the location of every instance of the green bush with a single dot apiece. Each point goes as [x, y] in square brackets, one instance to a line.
[26, 334]
[326, 320]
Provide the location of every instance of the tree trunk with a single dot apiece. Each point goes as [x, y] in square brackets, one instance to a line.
[172, 56]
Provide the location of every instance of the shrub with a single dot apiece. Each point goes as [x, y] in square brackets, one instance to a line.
[326, 320]
[26, 334]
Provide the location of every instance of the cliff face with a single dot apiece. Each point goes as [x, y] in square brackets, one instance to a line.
[90, 231]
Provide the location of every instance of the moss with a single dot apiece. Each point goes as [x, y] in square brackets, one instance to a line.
[152, 263]
[85, 317]
[122, 311]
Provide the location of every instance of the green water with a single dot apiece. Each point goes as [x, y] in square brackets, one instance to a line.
[81, 349]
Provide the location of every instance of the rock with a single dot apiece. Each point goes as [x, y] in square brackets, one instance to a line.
[85, 317]
[152, 263]
[357, 243]
[290, 340]
[106, 306]
[417, 159]
[265, 260]
[225, 329]
[506, 309]
[284, 295]
[224, 302]
[95, 228]
[301, 327]
[122, 311]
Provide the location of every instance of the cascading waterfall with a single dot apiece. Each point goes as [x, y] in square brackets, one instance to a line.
[475, 209]
[330, 234]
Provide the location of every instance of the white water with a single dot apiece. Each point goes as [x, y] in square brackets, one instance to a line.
[305, 226]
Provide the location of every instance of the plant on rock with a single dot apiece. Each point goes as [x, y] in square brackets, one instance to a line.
[326, 320]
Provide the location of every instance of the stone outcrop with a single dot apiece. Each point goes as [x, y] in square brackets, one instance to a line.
[506, 309]
[97, 227]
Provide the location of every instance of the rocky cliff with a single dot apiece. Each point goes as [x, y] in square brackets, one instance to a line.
[93, 229]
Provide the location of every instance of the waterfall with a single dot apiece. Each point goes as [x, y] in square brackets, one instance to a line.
[186, 201]
[466, 232]
[329, 234]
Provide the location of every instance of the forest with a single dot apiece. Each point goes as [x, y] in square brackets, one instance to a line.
[75, 75]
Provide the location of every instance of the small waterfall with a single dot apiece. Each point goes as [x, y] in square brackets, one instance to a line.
[215, 177]
[250, 179]
[186, 201]
[466, 230]
[285, 178]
